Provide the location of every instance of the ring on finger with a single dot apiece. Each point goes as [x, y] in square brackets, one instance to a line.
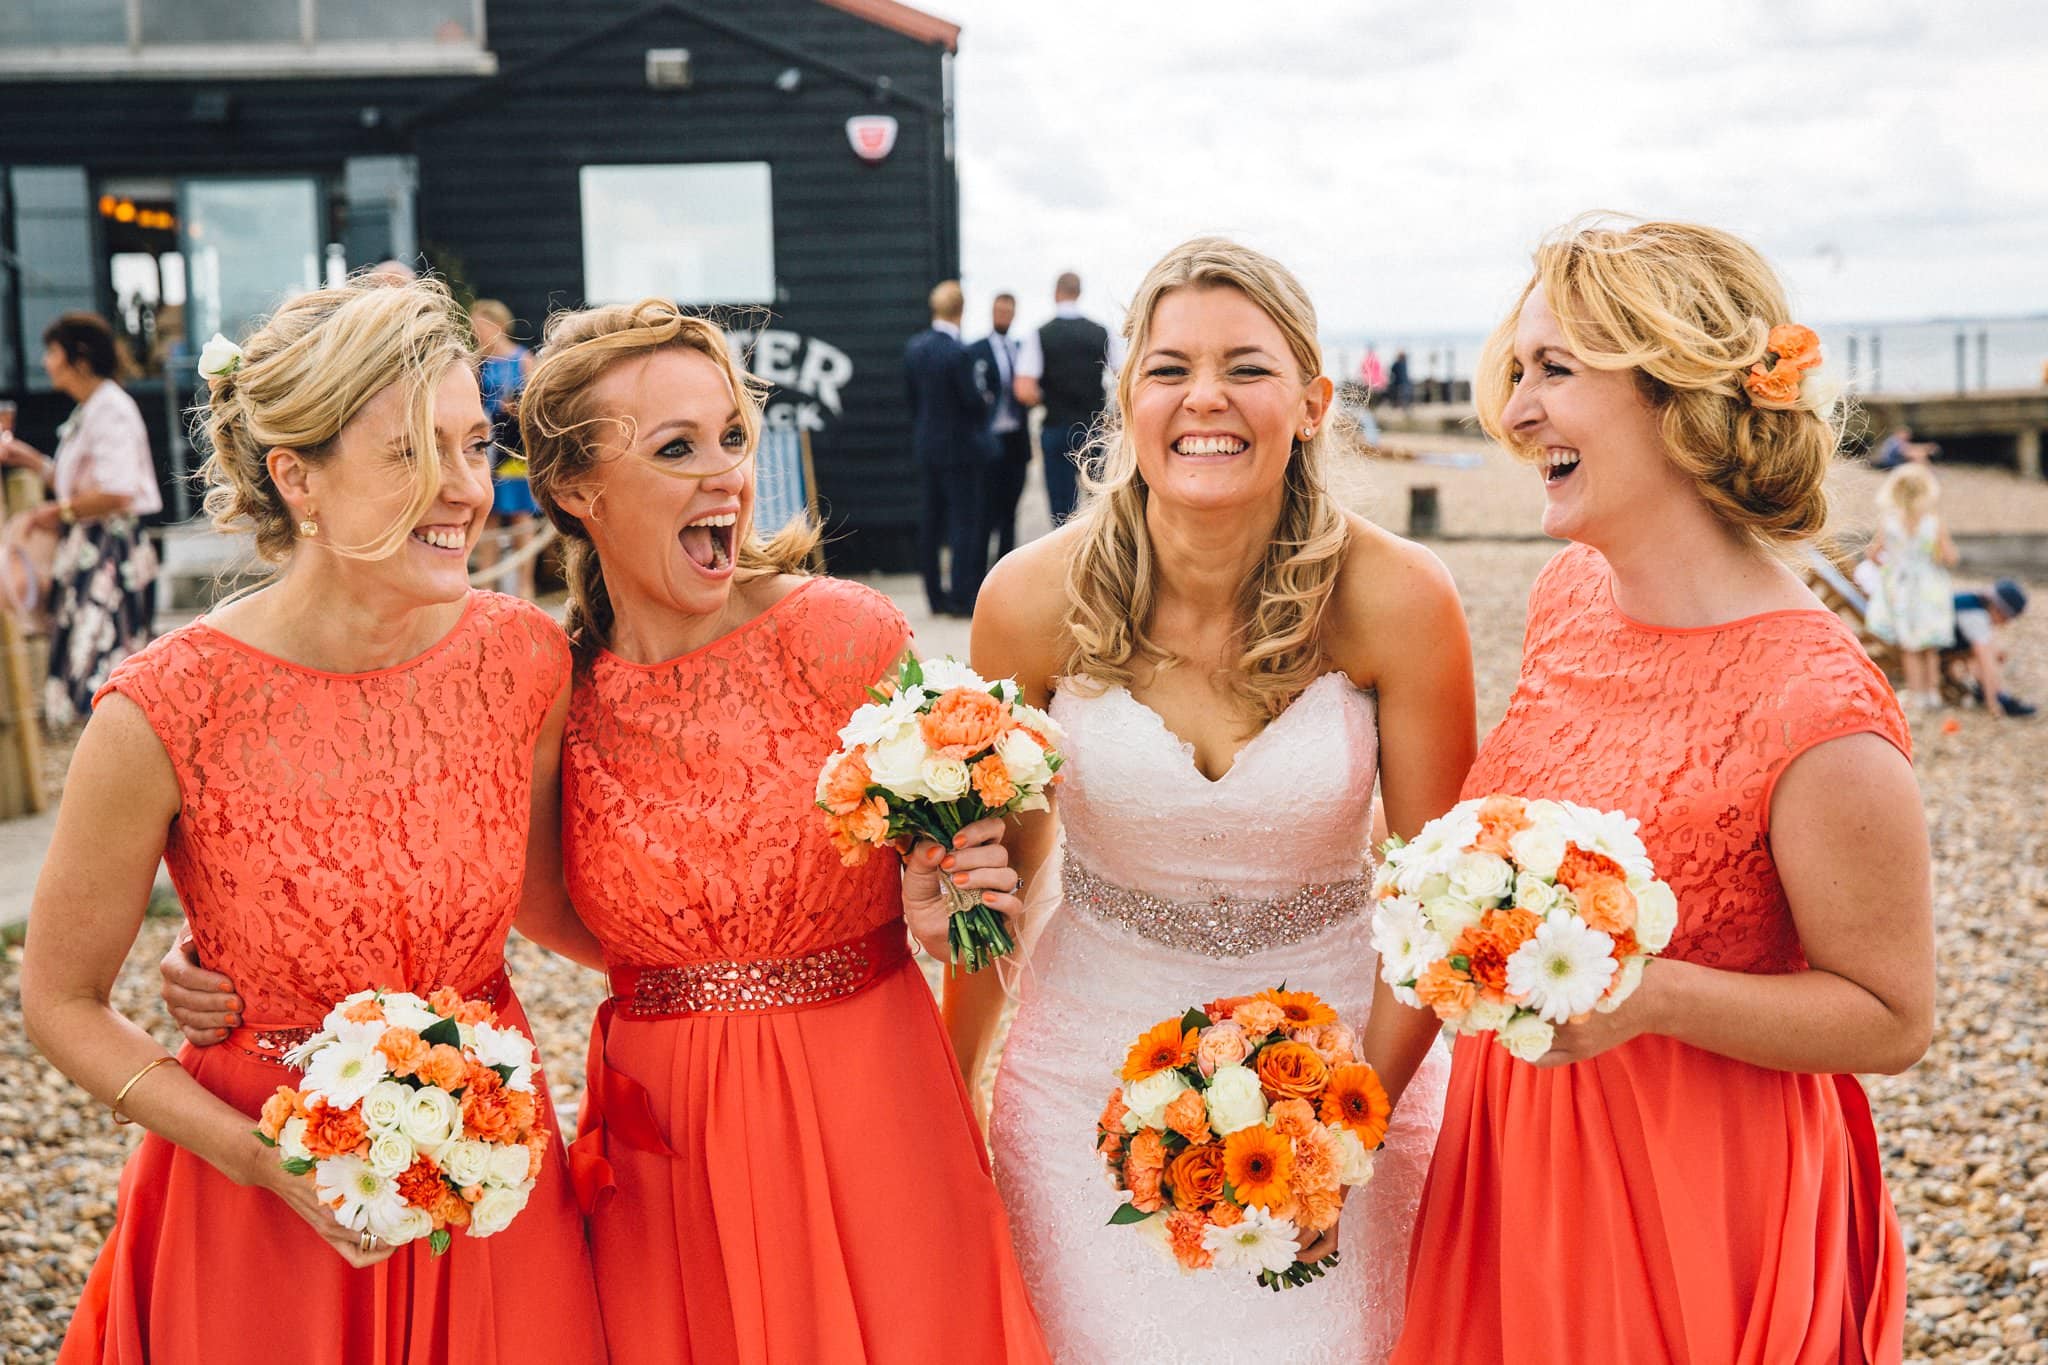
[367, 1243]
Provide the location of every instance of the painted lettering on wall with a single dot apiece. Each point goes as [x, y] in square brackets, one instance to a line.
[809, 375]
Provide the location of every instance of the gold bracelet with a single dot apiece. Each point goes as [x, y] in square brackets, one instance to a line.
[161, 1061]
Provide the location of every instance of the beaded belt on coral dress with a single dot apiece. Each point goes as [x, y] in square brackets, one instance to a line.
[1222, 925]
[269, 1043]
[618, 1111]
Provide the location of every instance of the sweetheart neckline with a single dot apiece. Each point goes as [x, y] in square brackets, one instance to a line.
[1237, 760]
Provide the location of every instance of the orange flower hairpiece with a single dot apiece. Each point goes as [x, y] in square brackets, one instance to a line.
[1789, 352]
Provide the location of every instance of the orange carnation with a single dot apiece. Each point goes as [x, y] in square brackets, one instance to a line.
[1258, 1017]
[487, 1115]
[334, 1132]
[369, 1011]
[1188, 1115]
[278, 1111]
[1300, 1009]
[1609, 906]
[1225, 1214]
[1446, 990]
[1144, 1168]
[475, 1012]
[1291, 1118]
[1486, 958]
[480, 1078]
[1582, 867]
[1356, 1099]
[420, 1185]
[1796, 346]
[846, 785]
[1780, 385]
[1501, 818]
[444, 1002]
[992, 782]
[1318, 1210]
[869, 822]
[1225, 1007]
[536, 1150]
[1257, 1162]
[962, 723]
[1292, 1071]
[404, 1049]
[1112, 1120]
[523, 1108]
[444, 1065]
[1317, 1161]
[1196, 1176]
[1184, 1236]
[1164, 1047]
[1512, 927]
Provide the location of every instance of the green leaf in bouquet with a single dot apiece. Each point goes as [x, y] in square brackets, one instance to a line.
[1460, 962]
[297, 1165]
[878, 695]
[504, 1072]
[912, 674]
[442, 1031]
[1194, 1018]
[1394, 844]
[439, 1240]
[264, 1138]
[1126, 1214]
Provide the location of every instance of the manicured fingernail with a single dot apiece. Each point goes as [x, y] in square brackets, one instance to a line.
[960, 841]
[947, 862]
[988, 898]
[959, 879]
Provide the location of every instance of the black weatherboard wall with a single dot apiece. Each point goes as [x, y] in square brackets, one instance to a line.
[497, 160]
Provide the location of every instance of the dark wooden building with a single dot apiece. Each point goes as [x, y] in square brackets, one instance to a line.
[181, 165]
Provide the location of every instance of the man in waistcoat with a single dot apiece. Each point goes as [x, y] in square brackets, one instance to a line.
[949, 418]
[1009, 453]
[1062, 366]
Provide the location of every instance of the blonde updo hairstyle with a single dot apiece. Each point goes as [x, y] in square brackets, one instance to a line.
[1112, 579]
[304, 375]
[1688, 309]
[566, 436]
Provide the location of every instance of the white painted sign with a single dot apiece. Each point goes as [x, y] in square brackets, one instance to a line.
[809, 373]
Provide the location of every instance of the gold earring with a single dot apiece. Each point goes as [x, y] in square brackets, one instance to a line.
[309, 528]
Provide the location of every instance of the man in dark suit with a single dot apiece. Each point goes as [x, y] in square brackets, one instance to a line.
[949, 418]
[1009, 455]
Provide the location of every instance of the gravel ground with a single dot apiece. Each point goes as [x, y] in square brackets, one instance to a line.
[1963, 1131]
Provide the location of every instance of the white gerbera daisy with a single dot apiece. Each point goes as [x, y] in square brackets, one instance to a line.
[1260, 1242]
[1609, 833]
[506, 1047]
[349, 1185]
[881, 720]
[1562, 970]
[943, 675]
[1404, 939]
[1435, 850]
[343, 1072]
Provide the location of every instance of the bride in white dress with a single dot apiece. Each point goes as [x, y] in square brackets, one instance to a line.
[1233, 659]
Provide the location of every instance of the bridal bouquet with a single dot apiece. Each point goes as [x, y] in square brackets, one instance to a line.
[413, 1117]
[1238, 1127]
[939, 748]
[1515, 916]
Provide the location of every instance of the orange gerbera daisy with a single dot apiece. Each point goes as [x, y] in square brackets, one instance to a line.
[1356, 1099]
[1304, 1009]
[1163, 1047]
[1257, 1162]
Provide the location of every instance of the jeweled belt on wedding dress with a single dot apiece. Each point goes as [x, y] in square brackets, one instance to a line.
[1222, 925]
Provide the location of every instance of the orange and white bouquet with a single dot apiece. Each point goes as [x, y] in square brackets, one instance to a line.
[939, 748]
[1238, 1128]
[414, 1117]
[1514, 916]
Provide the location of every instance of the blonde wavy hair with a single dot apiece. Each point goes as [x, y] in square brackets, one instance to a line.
[1688, 309]
[566, 436]
[1112, 578]
[305, 373]
[1912, 491]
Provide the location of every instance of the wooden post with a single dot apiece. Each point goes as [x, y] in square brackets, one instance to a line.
[1423, 518]
[23, 490]
[2027, 447]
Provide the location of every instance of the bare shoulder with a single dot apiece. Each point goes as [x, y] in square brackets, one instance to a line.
[1390, 594]
[1020, 617]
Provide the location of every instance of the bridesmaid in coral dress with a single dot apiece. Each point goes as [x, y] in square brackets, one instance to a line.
[337, 770]
[1694, 1177]
[776, 1150]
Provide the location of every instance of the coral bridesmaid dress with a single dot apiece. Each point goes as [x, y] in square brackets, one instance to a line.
[339, 832]
[778, 1152]
[1657, 1202]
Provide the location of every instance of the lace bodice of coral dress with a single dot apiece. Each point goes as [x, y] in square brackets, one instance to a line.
[795, 1176]
[338, 832]
[1658, 1203]
[1178, 889]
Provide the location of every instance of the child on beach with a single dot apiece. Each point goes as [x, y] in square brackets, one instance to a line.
[1914, 605]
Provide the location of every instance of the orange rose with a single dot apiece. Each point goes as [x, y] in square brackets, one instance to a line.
[1780, 385]
[1356, 1099]
[1112, 1120]
[1184, 1236]
[1258, 1017]
[1162, 1047]
[1334, 1043]
[1794, 345]
[334, 1132]
[1221, 1044]
[1257, 1162]
[1581, 867]
[1608, 905]
[444, 1065]
[1292, 1071]
[1486, 959]
[278, 1111]
[1446, 990]
[1291, 1118]
[847, 783]
[452, 1210]
[364, 1012]
[962, 723]
[1144, 1168]
[1196, 1176]
[992, 783]
[1189, 1116]
[404, 1049]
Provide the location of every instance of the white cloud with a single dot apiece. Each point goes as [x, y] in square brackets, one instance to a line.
[1885, 154]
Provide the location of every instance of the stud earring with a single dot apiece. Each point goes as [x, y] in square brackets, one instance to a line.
[1307, 432]
[309, 528]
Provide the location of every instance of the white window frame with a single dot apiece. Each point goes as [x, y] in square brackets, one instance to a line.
[594, 295]
[308, 56]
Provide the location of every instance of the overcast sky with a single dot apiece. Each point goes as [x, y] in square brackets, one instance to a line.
[1891, 157]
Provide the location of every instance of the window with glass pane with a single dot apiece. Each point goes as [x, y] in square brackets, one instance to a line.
[221, 21]
[62, 23]
[248, 246]
[695, 234]
[395, 21]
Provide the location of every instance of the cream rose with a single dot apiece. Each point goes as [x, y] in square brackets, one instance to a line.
[1023, 760]
[466, 1161]
[1656, 916]
[384, 1106]
[897, 765]
[390, 1152]
[1626, 980]
[1539, 849]
[496, 1210]
[947, 779]
[291, 1140]
[1482, 877]
[1147, 1099]
[508, 1166]
[1221, 1045]
[1354, 1162]
[1450, 916]
[1526, 1036]
[1486, 1016]
[432, 1117]
[219, 357]
[1534, 894]
[1234, 1100]
[398, 1222]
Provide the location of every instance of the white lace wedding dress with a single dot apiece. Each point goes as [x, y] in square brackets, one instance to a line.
[1178, 890]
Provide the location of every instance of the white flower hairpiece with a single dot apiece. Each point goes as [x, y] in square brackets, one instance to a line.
[219, 359]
